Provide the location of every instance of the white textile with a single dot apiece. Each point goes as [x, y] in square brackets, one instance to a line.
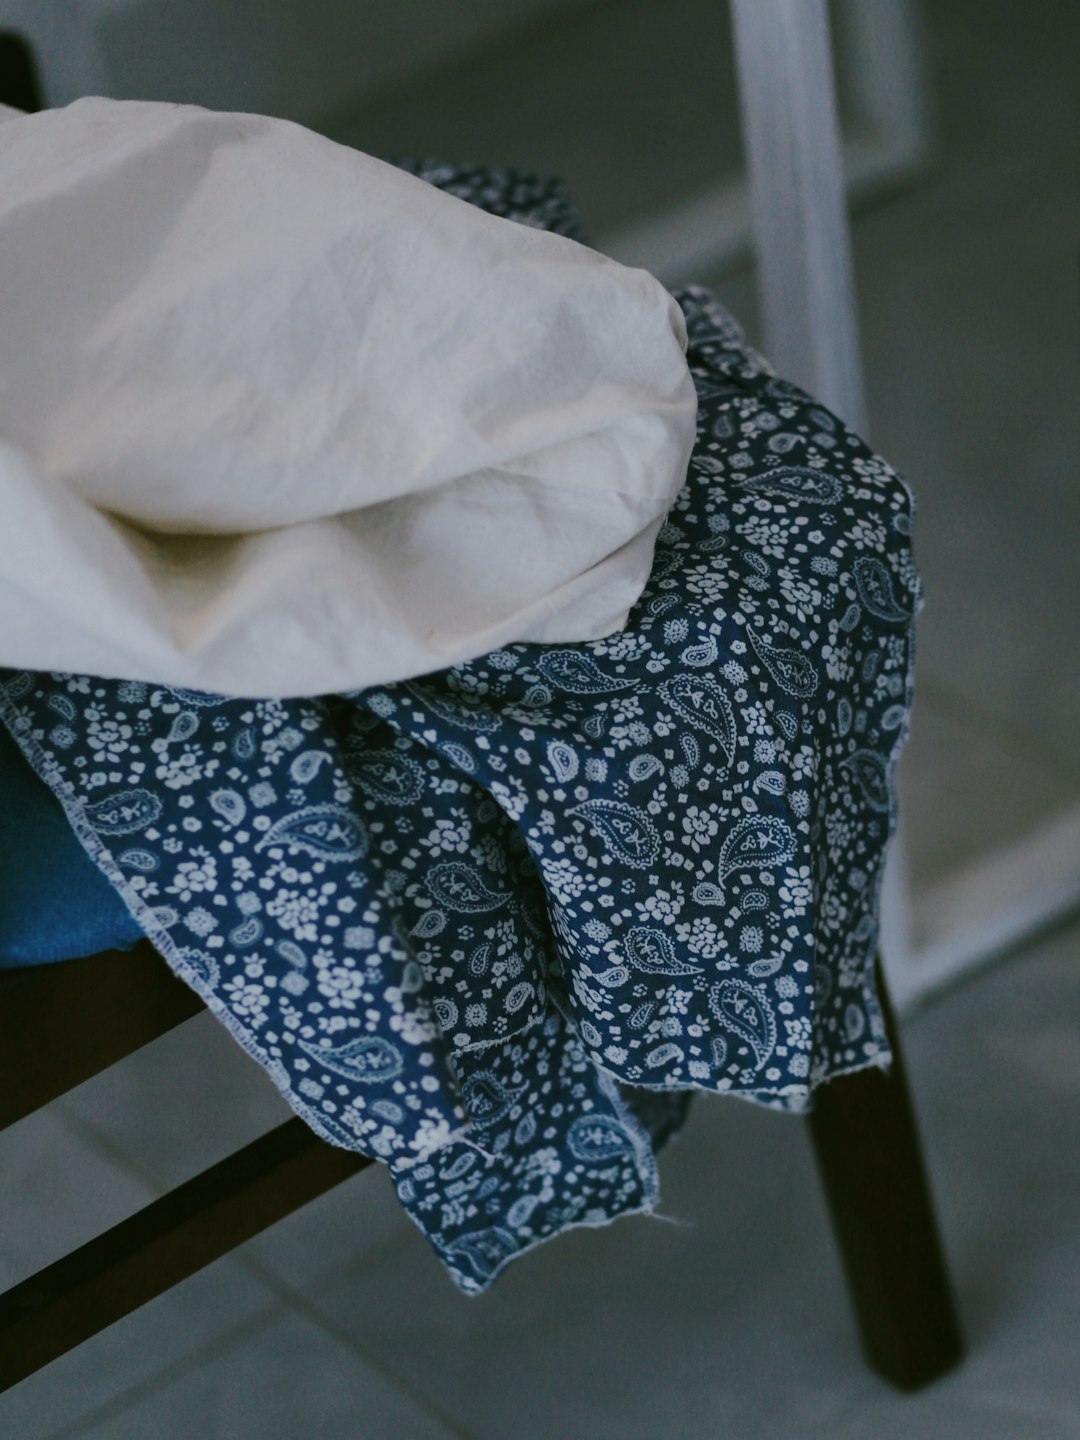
[277, 418]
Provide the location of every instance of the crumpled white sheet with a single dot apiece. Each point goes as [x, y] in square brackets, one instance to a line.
[278, 419]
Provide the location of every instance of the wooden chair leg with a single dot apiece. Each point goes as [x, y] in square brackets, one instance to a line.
[868, 1154]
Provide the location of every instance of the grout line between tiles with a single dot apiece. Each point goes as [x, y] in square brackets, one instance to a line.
[89, 1135]
[224, 1339]
[298, 1301]
[286, 1295]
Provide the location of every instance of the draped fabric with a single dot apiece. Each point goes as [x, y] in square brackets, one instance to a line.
[494, 925]
[279, 419]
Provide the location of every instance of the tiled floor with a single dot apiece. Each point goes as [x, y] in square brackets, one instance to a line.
[730, 1319]
[725, 1317]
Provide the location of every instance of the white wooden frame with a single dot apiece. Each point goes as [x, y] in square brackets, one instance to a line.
[888, 142]
[797, 200]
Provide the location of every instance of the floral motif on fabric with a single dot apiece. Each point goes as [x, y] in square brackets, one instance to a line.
[493, 925]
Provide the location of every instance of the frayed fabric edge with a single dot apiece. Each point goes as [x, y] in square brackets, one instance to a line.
[645, 1157]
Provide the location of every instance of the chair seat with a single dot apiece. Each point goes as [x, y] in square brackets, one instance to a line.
[41, 860]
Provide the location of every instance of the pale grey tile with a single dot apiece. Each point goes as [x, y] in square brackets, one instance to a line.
[723, 1321]
[286, 1379]
[358, 1219]
[966, 790]
[170, 1333]
[180, 1104]
[735, 1321]
[56, 1192]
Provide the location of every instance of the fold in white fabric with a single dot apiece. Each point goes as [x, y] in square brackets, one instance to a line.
[279, 419]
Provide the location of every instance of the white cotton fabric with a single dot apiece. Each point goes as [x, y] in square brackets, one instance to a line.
[277, 418]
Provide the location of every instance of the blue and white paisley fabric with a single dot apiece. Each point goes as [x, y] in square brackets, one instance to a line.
[494, 925]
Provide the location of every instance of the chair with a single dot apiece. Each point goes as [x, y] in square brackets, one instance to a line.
[62, 1024]
[109, 1005]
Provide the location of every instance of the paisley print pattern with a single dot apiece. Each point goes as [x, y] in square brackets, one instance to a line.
[493, 925]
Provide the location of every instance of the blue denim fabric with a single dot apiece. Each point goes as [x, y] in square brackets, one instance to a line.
[55, 904]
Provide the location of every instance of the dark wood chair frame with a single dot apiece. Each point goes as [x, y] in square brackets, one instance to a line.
[61, 1024]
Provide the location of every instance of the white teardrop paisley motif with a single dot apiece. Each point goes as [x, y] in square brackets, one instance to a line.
[124, 812]
[763, 969]
[786, 724]
[650, 950]
[204, 965]
[598, 1139]
[628, 833]
[244, 744]
[371, 1059]
[141, 860]
[291, 953]
[872, 777]
[792, 670]
[248, 932]
[706, 893]
[480, 959]
[431, 923]
[756, 843]
[459, 887]
[745, 1009]
[483, 1251]
[642, 766]
[457, 710]
[797, 482]
[487, 1100]
[614, 977]
[771, 781]
[578, 673]
[184, 726]
[563, 760]
[851, 617]
[328, 831]
[520, 995]
[700, 656]
[703, 703]
[197, 697]
[875, 589]
[459, 756]
[230, 805]
[387, 774]
[305, 766]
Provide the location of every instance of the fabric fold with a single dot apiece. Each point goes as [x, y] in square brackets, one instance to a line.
[495, 924]
[280, 419]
